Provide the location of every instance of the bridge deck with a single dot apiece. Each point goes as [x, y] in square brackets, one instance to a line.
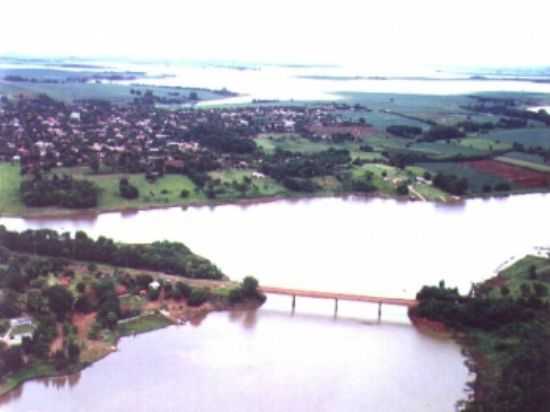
[339, 296]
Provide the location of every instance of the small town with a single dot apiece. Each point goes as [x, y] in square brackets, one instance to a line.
[45, 132]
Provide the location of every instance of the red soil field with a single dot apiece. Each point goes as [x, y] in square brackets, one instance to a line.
[516, 174]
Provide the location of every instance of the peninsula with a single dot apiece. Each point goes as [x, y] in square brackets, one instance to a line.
[65, 301]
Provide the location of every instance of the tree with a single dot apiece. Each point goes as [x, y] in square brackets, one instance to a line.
[60, 300]
[198, 296]
[73, 351]
[127, 190]
[402, 189]
[181, 290]
[250, 286]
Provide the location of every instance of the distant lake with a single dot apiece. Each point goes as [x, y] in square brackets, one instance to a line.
[308, 360]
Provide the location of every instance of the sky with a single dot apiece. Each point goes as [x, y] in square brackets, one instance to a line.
[358, 32]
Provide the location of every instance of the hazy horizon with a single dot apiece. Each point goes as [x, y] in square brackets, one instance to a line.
[393, 33]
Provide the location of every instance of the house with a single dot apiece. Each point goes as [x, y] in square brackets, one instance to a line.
[20, 328]
[154, 285]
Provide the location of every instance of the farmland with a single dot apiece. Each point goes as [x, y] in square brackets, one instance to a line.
[186, 156]
[477, 178]
[517, 175]
[528, 137]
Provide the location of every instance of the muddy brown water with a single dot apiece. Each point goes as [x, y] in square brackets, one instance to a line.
[308, 359]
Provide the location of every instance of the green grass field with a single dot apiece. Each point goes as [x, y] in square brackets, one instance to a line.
[531, 137]
[294, 143]
[518, 273]
[145, 323]
[380, 120]
[384, 177]
[484, 145]
[259, 187]
[10, 180]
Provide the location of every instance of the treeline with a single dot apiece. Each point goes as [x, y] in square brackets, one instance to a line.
[170, 257]
[408, 132]
[59, 191]
[451, 183]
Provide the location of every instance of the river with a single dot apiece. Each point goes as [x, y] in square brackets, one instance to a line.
[306, 360]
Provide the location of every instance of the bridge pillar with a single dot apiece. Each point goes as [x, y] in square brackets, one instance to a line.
[335, 307]
[379, 311]
[293, 302]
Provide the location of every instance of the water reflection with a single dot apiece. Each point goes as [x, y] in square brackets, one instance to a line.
[266, 360]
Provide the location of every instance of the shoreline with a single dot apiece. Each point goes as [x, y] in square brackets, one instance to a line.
[190, 315]
[59, 213]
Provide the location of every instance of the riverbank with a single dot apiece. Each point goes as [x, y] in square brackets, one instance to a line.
[46, 213]
[503, 326]
[53, 213]
[144, 324]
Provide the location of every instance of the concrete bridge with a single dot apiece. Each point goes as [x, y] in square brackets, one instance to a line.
[339, 296]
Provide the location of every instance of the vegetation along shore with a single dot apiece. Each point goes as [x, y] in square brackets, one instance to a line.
[503, 325]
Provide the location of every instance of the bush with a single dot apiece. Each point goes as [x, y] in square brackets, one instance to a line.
[198, 296]
[236, 295]
[128, 190]
[181, 290]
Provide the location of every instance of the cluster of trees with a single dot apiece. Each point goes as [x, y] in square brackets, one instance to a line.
[170, 257]
[451, 183]
[441, 132]
[408, 132]
[477, 311]
[127, 190]
[248, 289]
[215, 135]
[55, 191]
[517, 378]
